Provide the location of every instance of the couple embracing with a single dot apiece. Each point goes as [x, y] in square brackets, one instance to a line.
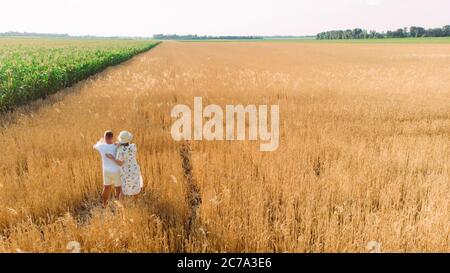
[120, 167]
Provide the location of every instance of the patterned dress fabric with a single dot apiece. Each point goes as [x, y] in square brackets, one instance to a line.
[130, 172]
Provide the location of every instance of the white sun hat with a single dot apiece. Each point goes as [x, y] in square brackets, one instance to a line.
[125, 137]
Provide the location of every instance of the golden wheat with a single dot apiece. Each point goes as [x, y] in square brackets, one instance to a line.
[363, 162]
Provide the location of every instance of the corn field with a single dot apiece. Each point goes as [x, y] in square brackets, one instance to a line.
[34, 68]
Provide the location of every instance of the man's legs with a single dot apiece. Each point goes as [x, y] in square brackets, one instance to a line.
[118, 192]
[117, 186]
[106, 193]
[108, 183]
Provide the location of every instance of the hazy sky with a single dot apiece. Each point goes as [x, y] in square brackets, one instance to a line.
[226, 17]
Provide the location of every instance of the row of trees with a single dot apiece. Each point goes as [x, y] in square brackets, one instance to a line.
[65, 36]
[31, 34]
[359, 33]
[198, 37]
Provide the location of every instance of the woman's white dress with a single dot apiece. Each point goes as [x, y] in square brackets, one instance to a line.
[130, 173]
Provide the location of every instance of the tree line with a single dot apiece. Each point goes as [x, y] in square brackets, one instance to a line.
[32, 34]
[358, 33]
[66, 36]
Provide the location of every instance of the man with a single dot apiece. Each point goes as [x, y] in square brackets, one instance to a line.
[111, 172]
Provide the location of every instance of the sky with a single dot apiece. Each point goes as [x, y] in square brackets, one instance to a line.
[212, 17]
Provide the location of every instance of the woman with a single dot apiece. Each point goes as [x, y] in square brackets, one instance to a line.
[130, 173]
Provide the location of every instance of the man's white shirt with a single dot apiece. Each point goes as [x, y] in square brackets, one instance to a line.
[108, 164]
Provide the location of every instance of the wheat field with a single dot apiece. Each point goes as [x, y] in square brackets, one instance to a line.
[364, 154]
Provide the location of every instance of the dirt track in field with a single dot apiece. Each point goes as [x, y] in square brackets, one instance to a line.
[364, 152]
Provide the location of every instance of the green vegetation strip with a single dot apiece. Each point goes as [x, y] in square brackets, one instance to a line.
[35, 68]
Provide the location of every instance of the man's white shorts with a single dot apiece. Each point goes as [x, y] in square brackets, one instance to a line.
[112, 178]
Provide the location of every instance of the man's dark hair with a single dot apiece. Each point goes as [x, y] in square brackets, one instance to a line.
[109, 134]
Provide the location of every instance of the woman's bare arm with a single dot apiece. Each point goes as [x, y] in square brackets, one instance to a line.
[118, 162]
